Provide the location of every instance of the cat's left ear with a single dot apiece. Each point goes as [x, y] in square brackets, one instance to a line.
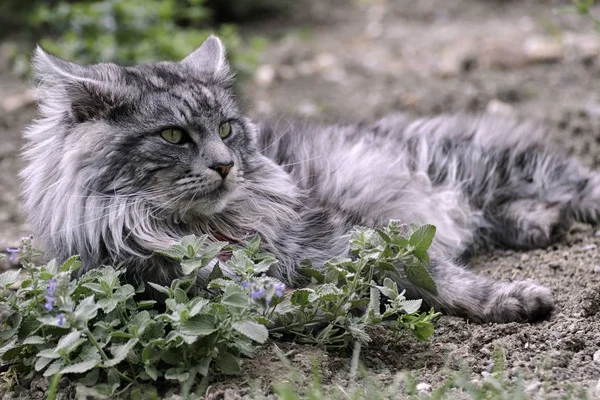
[209, 60]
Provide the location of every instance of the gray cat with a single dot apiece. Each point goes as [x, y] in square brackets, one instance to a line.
[123, 161]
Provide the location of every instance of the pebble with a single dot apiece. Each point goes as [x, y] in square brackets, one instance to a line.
[17, 101]
[589, 247]
[596, 269]
[423, 388]
[499, 108]
[264, 75]
[596, 356]
[543, 49]
[597, 233]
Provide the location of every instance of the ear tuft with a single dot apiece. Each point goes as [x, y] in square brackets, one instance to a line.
[84, 91]
[209, 59]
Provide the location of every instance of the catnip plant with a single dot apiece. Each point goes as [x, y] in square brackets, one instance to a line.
[99, 332]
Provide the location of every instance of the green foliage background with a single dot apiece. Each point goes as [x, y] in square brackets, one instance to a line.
[131, 31]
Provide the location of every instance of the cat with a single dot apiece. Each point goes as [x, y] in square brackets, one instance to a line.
[124, 161]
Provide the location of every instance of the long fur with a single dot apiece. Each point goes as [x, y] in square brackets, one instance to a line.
[101, 183]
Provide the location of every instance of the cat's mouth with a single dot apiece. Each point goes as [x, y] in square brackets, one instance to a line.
[211, 200]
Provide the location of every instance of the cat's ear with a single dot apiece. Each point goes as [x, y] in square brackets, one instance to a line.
[85, 91]
[209, 59]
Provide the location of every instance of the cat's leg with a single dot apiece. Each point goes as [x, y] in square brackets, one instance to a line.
[543, 195]
[463, 293]
[529, 223]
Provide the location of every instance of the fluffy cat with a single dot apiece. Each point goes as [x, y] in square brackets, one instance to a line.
[123, 161]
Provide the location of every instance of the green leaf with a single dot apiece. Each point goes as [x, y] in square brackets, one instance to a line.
[42, 362]
[49, 320]
[119, 352]
[108, 304]
[228, 364]
[34, 340]
[86, 310]
[199, 325]
[265, 265]
[235, 297]
[196, 305]
[146, 304]
[189, 266]
[8, 278]
[54, 368]
[419, 275]
[411, 306]
[252, 330]
[253, 246]
[49, 353]
[68, 340]
[80, 367]
[177, 374]
[220, 283]
[424, 331]
[300, 297]
[71, 265]
[159, 288]
[312, 274]
[151, 371]
[422, 237]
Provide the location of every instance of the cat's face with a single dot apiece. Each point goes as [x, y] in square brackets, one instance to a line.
[168, 133]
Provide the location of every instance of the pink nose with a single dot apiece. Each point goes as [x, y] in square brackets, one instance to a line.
[222, 168]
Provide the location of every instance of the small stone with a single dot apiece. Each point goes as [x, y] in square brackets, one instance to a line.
[17, 101]
[589, 247]
[308, 109]
[325, 61]
[597, 233]
[423, 388]
[499, 108]
[596, 269]
[533, 388]
[264, 75]
[543, 49]
[596, 356]
[231, 394]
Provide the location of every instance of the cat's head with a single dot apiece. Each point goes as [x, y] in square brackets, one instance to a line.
[169, 133]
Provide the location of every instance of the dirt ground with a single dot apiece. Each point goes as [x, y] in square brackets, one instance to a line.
[362, 59]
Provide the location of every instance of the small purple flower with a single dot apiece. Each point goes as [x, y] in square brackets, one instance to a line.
[49, 303]
[51, 287]
[12, 252]
[257, 293]
[61, 319]
[279, 288]
[245, 284]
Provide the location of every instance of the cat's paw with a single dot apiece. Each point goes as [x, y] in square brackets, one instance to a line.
[520, 301]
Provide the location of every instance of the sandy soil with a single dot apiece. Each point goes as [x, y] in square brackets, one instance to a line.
[363, 59]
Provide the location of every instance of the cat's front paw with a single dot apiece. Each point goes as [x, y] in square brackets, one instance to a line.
[520, 301]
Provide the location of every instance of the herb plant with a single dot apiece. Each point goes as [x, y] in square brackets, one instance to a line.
[109, 341]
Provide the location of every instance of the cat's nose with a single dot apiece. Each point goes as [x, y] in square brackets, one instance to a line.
[222, 168]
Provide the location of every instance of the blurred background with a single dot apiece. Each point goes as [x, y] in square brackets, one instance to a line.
[327, 59]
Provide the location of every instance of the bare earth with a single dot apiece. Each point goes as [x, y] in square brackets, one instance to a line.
[363, 59]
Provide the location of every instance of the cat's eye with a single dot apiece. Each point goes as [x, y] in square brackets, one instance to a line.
[173, 135]
[225, 130]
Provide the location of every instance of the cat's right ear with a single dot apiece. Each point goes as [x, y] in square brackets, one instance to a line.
[84, 91]
[209, 60]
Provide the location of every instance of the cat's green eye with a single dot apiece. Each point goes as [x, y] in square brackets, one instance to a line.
[173, 135]
[225, 130]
